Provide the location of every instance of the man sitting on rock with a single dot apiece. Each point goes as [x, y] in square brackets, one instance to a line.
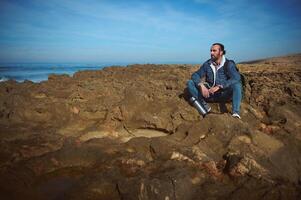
[217, 80]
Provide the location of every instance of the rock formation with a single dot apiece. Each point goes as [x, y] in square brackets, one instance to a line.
[129, 133]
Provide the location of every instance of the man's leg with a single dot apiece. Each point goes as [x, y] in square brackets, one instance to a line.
[236, 97]
[195, 92]
[233, 92]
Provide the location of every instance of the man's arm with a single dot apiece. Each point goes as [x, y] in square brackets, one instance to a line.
[199, 79]
[196, 76]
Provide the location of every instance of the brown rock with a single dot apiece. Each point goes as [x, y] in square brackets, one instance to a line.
[129, 133]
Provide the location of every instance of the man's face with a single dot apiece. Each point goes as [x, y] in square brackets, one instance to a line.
[215, 52]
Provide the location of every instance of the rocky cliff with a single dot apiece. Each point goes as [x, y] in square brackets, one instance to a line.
[129, 133]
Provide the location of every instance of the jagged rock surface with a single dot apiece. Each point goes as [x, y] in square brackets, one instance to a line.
[129, 133]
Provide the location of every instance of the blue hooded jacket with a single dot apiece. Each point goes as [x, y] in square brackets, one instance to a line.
[207, 73]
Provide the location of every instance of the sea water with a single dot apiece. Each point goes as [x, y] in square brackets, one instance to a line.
[38, 72]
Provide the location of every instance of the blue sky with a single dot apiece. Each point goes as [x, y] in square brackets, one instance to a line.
[178, 31]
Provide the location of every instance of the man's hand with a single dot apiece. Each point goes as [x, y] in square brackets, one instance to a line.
[204, 90]
[214, 89]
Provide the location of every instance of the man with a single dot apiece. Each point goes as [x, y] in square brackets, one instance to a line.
[217, 80]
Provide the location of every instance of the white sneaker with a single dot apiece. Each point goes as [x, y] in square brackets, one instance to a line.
[236, 115]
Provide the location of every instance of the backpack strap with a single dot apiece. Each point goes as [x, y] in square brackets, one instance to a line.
[226, 68]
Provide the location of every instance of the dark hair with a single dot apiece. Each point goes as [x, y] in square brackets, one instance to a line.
[221, 47]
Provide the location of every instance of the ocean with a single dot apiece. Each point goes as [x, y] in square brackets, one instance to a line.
[37, 72]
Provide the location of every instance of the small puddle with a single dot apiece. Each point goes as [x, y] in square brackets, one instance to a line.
[149, 133]
[123, 135]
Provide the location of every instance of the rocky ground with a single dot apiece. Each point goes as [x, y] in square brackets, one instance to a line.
[129, 133]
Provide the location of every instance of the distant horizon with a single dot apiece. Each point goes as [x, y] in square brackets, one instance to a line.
[38, 72]
[132, 63]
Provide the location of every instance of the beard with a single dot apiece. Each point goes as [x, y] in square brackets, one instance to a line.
[213, 58]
